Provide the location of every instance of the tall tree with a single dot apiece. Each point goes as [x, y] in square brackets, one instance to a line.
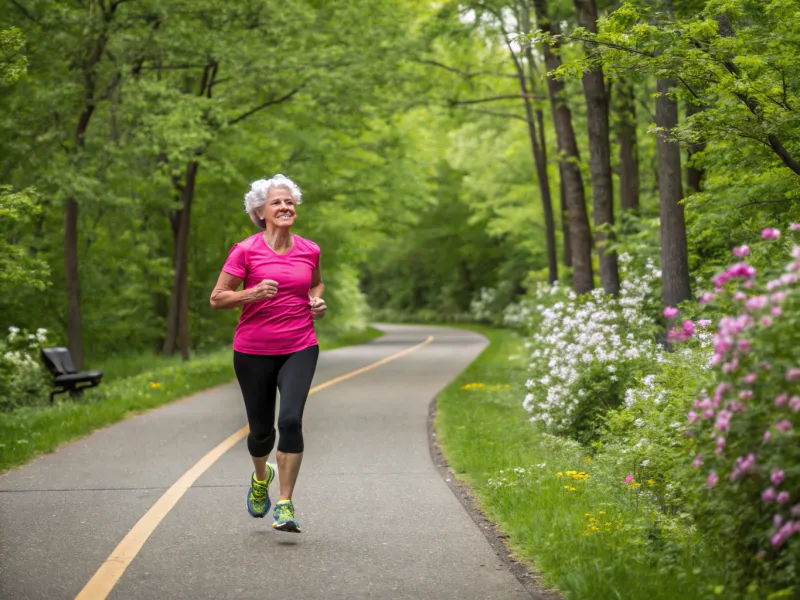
[674, 254]
[628, 155]
[594, 89]
[580, 233]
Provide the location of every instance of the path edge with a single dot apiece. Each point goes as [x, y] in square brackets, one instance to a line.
[529, 579]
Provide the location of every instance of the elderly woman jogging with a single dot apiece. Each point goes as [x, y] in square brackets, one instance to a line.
[275, 347]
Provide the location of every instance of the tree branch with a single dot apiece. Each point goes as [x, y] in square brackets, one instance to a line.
[453, 102]
[465, 74]
[26, 12]
[610, 45]
[269, 102]
[495, 114]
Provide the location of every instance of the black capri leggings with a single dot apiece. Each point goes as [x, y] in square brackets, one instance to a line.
[259, 377]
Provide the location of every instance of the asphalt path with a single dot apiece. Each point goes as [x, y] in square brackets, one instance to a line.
[378, 520]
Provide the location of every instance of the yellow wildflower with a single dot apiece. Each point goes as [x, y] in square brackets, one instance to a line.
[571, 489]
[154, 385]
[588, 459]
[650, 482]
[559, 474]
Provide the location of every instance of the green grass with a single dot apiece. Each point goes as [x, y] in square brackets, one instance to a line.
[485, 435]
[134, 384]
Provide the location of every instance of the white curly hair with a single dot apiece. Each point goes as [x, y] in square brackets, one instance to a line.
[257, 196]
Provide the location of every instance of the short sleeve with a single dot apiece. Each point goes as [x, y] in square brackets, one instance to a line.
[236, 264]
[316, 256]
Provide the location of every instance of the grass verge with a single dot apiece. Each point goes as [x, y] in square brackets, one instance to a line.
[584, 537]
[136, 384]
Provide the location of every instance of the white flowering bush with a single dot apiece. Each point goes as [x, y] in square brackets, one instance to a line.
[23, 379]
[587, 350]
[483, 307]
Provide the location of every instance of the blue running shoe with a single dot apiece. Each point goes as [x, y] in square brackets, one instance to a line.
[257, 501]
[284, 517]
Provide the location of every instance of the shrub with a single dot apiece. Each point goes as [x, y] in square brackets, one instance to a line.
[587, 351]
[745, 424]
[23, 380]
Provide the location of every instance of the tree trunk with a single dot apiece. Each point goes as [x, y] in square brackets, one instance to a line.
[564, 218]
[539, 157]
[580, 234]
[694, 173]
[674, 253]
[594, 90]
[628, 150]
[177, 331]
[74, 325]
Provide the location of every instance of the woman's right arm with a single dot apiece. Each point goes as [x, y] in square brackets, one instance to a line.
[225, 295]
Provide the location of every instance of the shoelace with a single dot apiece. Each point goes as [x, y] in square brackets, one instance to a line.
[259, 491]
[285, 512]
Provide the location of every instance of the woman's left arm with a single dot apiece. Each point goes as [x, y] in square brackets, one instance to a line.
[317, 287]
[316, 302]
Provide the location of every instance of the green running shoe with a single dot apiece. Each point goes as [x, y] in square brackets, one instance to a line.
[257, 500]
[284, 517]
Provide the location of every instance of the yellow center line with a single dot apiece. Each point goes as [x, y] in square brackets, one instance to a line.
[106, 577]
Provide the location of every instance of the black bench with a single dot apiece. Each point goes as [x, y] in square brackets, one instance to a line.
[65, 377]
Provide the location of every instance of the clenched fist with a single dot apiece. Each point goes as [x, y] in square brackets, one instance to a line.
[265, 289]
[318, 307]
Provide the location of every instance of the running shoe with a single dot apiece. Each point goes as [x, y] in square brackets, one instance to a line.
[284, 517]
[257, 500]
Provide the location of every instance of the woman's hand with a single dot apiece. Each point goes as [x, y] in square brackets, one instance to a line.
[318, 307]
[267, 288]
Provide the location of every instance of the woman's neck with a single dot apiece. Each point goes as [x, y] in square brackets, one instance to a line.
[280, 240]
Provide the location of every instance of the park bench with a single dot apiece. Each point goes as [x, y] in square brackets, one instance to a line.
[65, 377]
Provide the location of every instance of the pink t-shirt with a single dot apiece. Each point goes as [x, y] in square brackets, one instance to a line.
[283, 324]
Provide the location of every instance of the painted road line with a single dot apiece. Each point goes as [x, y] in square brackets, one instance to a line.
[106, 577]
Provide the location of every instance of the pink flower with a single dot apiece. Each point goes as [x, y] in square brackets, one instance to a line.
[788, 279]
[745, 394]
[776, 477]
[766, 321]
[770, 233]
[744, 345]
[688, 328]
[768, 495]
[774, 284]
[692, 416]
[671, 312]
[776, 311]
[783, 425]
[794, 226]
[703, 323]
[783, 497]
[793, 374]
[749, 284]
[794, 403]
[720, 445]
[740, 296]
[706, 298]
[796, 510]
[723, 420]
[756, 303]
[698, 461]
[708, 413]
[777, 521]
[780, 400]
[741, 251]
[750, 378]
[712, 479]
[779, 538]
[629, 478]
[767, 435]
[796, 252]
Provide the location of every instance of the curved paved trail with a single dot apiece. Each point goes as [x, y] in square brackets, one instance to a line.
[378, 520]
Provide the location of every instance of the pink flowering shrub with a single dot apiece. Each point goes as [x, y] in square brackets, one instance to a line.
[745, 425]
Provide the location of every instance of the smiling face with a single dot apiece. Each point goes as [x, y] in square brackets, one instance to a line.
[279, 210]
